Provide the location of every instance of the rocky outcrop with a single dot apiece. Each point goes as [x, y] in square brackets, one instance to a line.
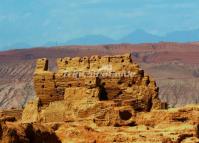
[31, 111]
[26, 133]
[118, 104]
[117, 77]
[178, 125]
[11, 114]
[108, 90]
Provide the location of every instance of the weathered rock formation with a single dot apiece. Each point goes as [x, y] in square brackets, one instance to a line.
[98, 100]
[117, 78]
[179, 125]
[26, 133]
[108, 90]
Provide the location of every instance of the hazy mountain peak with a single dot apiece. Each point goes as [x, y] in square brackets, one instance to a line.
[90, 40]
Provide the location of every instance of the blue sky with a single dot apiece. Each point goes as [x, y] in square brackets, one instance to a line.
[38, 21]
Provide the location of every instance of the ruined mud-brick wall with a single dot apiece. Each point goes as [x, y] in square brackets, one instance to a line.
[133, 88]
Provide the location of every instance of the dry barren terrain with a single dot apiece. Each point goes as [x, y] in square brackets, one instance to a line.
[175, 66]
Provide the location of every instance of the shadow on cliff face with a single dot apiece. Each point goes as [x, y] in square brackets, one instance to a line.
[125, 115]
[40, 135]
[26, 133]
[103, 94]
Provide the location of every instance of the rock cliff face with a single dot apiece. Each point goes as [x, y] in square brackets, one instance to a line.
[98, 100]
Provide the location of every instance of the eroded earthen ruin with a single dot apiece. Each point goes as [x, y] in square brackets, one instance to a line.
[116, 77]
[100, 100]
[113, 84]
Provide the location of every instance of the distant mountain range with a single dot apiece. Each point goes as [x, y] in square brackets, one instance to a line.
[138, 36]
[20, 45]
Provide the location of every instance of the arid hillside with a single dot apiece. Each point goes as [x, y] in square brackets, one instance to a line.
[175, 66]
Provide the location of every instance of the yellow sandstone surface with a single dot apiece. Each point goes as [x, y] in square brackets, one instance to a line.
[96, 99]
